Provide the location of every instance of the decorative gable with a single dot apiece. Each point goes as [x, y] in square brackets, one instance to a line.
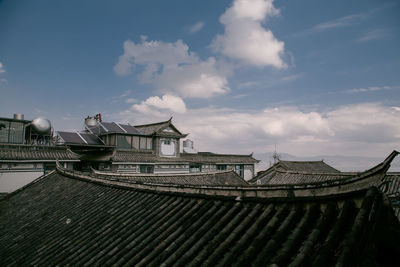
[169, 130]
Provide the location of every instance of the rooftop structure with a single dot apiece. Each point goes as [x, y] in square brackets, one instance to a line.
[147, 148]
[28, 150]
[73, 218]
[294, 172]
[317, 172]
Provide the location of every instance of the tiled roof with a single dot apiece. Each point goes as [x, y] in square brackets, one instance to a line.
[212, 178]
[308, 166]
[279, 176]
[391, 187]
[152, 128]
[288, 177]
[36, 153]
[209, 157]
[60, 220]
[205, 157]
[135, 156]
[391, 184]
[157, 129]
[297, 172]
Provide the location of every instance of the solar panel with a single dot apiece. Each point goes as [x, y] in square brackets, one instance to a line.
[91, 139]
[72, 138]
[112, 127]
[129, 129]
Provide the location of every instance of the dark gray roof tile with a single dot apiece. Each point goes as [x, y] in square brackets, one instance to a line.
[222, 178]
[60, 220]
[36, 153]
[149, 157]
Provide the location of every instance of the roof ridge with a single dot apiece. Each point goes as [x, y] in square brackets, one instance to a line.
[151, 124]
[161, 174]
[317, 173]
[300, 191]
[301, 161]
[217, 154]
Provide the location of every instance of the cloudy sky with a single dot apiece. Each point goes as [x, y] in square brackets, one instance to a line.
[309, 77]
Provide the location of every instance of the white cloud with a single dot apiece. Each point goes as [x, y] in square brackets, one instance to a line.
[292, 77]
[340, 22]
[158, 106]
[368, 129]
[200, 80]
[2, 70]
[374, 35]
[366, 123]
[3, 81]
[239, 96]
[172, 68]
[124, 94]
[248, 84]
[245, 38]
[196, 27]
[369, 89]
[131, 100]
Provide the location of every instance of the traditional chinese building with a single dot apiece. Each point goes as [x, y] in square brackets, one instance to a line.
[148, 148]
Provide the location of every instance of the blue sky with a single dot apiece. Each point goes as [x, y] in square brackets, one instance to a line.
[311, 77]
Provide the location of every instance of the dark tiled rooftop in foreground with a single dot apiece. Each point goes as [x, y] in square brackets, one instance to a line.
[391, 187]
[72, 221]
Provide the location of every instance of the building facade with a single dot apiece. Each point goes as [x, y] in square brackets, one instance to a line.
[27, 151]
[148, 148]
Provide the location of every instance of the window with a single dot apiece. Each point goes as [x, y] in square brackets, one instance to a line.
[168, 147]
[4, 129]
[146, 168]
[124, 142]
[11, 132]
[143, 142]
[239, 169]
[111, 140]
[135, 142]
[221, 167]
[17, 132]
[149, 143]
[194, 167]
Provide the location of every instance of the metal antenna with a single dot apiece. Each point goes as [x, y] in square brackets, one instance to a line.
[276, 156]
